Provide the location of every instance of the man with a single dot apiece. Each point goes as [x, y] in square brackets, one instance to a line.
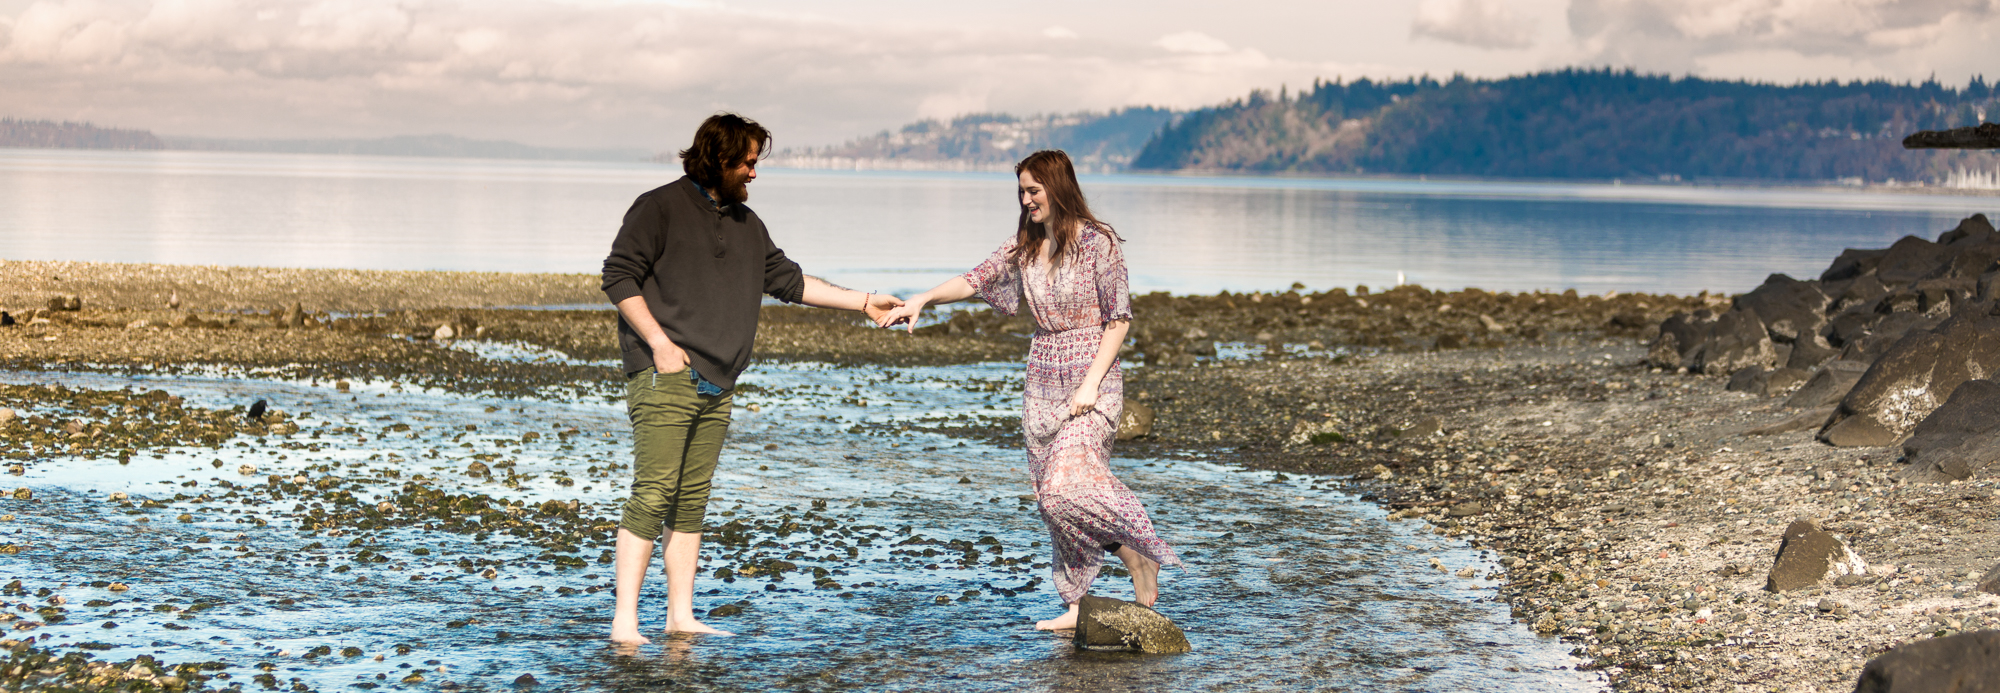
[686, 273]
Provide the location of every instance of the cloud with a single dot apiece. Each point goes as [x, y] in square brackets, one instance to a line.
[1192, 42]
[1895, 38]
[1488, 24]
[568, 72]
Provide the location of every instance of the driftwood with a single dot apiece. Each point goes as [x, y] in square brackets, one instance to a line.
[1985, 136]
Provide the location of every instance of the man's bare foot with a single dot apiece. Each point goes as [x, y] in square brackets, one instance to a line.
[627, 634]
[694, 626]
[1067, 621]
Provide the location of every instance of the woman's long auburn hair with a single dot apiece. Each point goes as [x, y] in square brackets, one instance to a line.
[1067, 210]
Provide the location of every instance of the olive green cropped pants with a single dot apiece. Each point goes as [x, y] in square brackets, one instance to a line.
[676, 440]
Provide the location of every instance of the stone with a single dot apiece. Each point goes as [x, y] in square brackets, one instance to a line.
[1908, 259]
[1962, 663]
[138, 324]
[1853, 262]
[1990, 582]
[1810, 418]
[1748, 378]
[1422, 428]
[6, 319]
[7, 416]
[342, 385]
[1826, 387]
[444, 333]
[66, 303]
[1975, 229]
[1808, 555]
[1738, 339]
[1788, 307]
[1466, 509]
[1916, 376]
[527, 680]
[1105, 623]
[1497, 326]
[294, 316]
[1959, 438]
[1665, 351]
[1681, 337]
[1136, 421]
[725, 611]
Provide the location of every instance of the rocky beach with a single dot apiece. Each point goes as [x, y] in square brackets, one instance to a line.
[1634, 463]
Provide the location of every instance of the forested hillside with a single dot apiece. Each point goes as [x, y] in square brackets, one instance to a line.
[1579, 123]
[1095, 141]
[49, 134]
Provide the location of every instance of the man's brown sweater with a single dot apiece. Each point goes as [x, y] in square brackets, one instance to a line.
[701, 270]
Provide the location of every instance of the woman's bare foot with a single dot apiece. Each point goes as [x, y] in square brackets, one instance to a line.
[1066, 621]
[693, 626]
[1145, 576]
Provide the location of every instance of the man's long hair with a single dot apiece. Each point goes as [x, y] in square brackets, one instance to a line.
[1067, 209]
[722, 142]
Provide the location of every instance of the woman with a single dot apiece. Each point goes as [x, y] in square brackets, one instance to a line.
[1068, 266]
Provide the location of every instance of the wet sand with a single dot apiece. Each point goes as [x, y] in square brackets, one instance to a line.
[1637, 515]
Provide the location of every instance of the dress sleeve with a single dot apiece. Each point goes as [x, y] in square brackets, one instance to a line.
[998, 281]
[1114, 296]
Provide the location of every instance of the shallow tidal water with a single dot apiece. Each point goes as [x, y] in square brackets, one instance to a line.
[905, 559]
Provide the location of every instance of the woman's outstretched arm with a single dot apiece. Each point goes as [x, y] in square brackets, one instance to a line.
[1085, 398]
[953, 290]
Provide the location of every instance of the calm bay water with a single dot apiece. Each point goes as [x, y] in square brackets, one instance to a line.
[896, 231]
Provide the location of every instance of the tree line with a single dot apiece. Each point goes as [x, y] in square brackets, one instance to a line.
[1581, 123]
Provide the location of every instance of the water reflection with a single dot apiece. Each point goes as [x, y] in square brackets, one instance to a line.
[1188, 234]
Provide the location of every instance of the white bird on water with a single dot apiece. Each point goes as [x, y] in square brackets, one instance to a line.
[1399, 277]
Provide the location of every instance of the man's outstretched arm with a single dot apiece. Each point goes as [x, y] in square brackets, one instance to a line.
[820, 293]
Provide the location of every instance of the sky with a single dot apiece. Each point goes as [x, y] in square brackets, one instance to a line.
[634, 73]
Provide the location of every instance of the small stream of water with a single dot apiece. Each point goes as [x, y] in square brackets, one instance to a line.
[933, 565]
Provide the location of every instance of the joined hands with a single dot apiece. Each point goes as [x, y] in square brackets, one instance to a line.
[879, 306]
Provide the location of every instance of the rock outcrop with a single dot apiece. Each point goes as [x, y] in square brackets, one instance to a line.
[1104, 623]
[1914, 378]
[1963, 663]
[1959, 438]
[1887, 336]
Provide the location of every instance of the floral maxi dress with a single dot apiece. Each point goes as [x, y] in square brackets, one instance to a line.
[1087, 510]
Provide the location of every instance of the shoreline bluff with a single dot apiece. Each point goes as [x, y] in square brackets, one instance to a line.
[1635, 505]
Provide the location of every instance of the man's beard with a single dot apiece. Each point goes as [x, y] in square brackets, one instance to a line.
[733, 189]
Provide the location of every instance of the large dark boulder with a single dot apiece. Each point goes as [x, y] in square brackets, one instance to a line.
[1863, 290]
[1105, 623]
[1788, 307]
[1959, 438]
[1963, 663]
[1853, 262]
[1681, 336]
[1738, 340]
[1914, 378]
[1884, 333]
[1910, 258]
[1828, 385]
[1972, 229]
